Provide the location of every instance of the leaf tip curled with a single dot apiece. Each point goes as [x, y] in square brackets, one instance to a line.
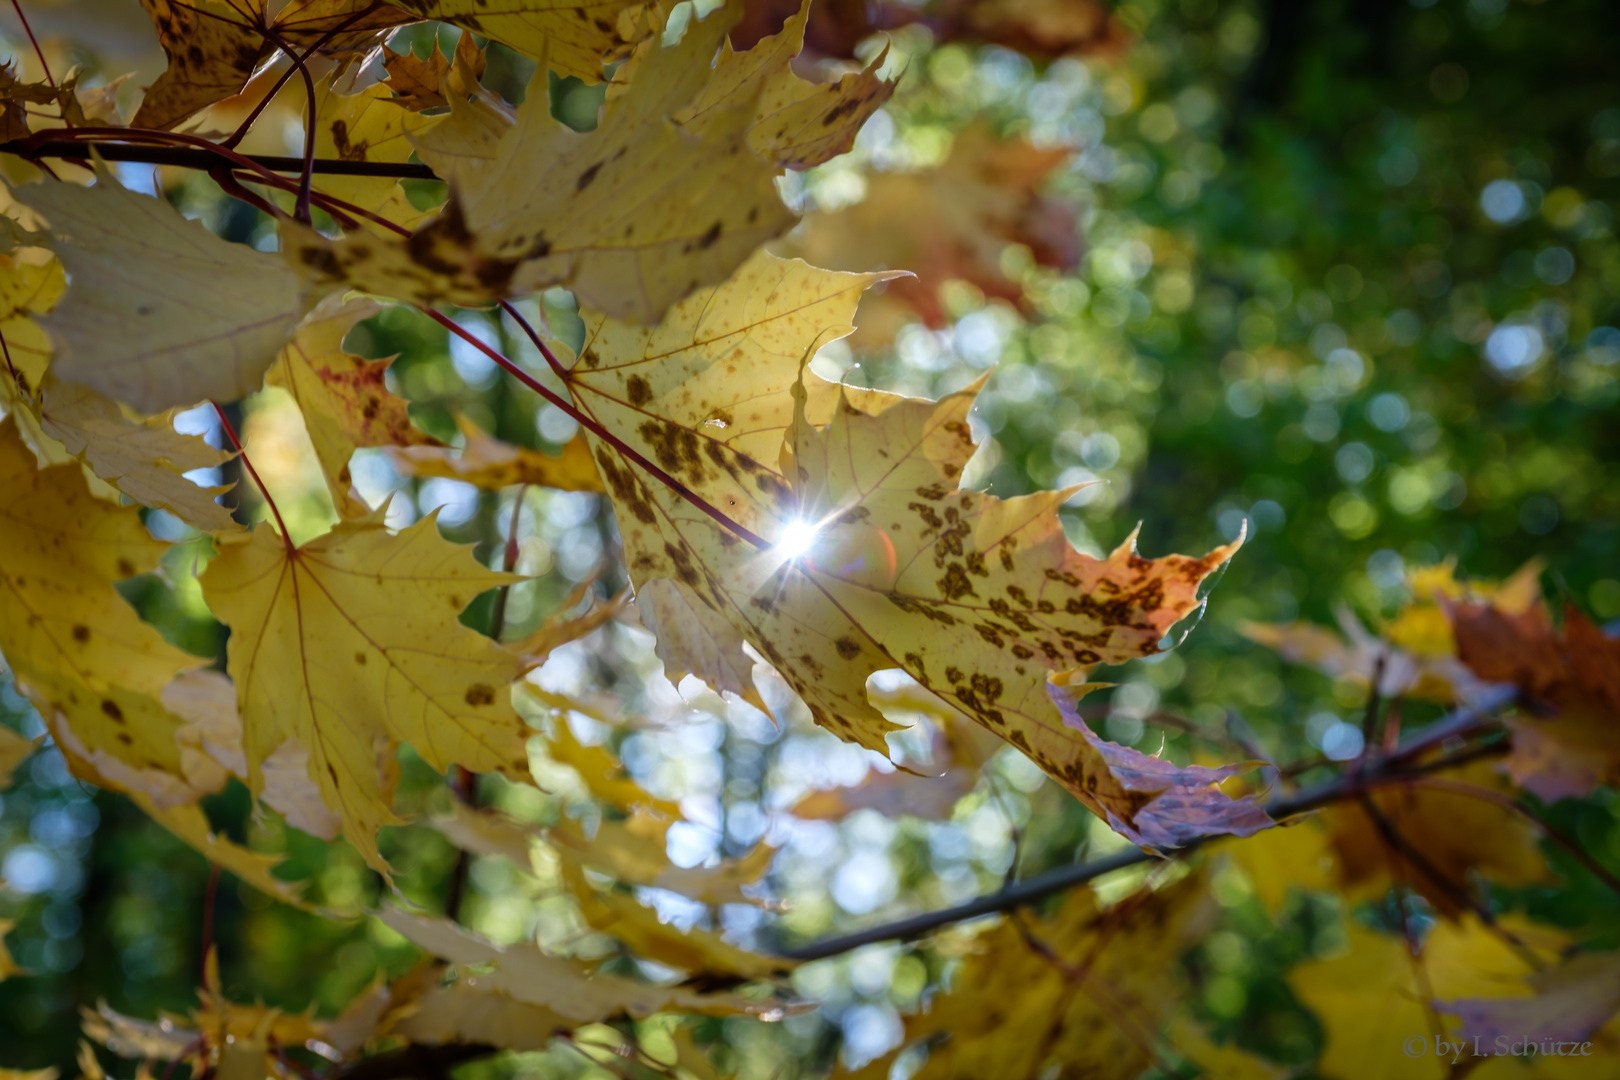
[1154, 803]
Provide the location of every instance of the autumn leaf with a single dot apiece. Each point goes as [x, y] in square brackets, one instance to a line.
[14, 750]
[797, 124]
[369, 126]
[417, 83]
[1414, 652]
[1043, 29]
[690, 637]
[1294, 856]
[561, 628]
[631, 216]
[486, 462]
[877, 560]
[215, 46]
[185, 820]
[15, 97]
[350, 642]
[161, 312]
[950, 222]
[1568, 1003]
[1374, 995]
[344, 398]
[699, 953]
[961, 748]
[1075, 992]
[62, 625]
[1577, 673]
[1454, 835]
[206, 701]
[566, 987]
[1357, 654]
[635, 852]
[573, 37]
[469, 1014]
[602, 774]
[31, 283]
[146, 459]
[8, 966]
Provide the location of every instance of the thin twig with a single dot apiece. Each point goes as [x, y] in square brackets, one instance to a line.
[306, 173]
[497, 619]
[241, 131]
[199, 158]
[236, 444]
[595, 427]
[1066, 877]
[32, 40]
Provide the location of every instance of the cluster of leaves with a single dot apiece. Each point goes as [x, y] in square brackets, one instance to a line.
[792, 541]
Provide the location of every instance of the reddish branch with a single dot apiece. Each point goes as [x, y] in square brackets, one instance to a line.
[32, 40]
[236, 444]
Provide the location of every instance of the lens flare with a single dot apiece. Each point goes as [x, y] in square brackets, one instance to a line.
[795, 539]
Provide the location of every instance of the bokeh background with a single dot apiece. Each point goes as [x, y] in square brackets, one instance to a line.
[1341, 273]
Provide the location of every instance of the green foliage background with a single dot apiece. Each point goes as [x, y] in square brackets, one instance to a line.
[1350, 278]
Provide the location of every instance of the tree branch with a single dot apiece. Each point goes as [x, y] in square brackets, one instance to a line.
[73, 150]
[1388, 770]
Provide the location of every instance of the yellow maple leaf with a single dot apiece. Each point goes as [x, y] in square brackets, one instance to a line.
[696, 952]
[31, 283]
[1454, 835]
[185, 820]
[565, 986]
[8, 966]
[1421, 626]
[875, 559]
[1078, 993]
[368, 126]
[572, 37]
[63, 627]
[145, 459]
[206, 701]
[14, 750]
[631, 216]
[796, 124]
[949, 222]
[561, 628]
[602, 774]
[161, 312]
[351, 641]
[344, 399]
[418, 84]
[471, 1014]
[215, 46]
[1374, 1000]
[636, 852]
[487, 462]
[1296, 855]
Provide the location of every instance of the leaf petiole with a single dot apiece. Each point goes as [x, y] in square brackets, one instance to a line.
[236, 444]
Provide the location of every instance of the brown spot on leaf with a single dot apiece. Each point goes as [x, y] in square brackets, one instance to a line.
[480, 694]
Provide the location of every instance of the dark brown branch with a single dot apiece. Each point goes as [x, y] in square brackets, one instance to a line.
[1376, 773]
[73, 150]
